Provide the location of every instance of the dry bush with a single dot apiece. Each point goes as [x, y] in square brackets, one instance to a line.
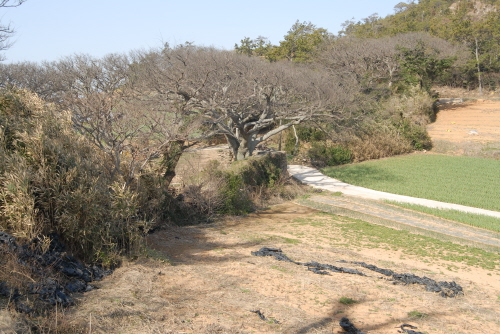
[256, 182]
[54, 180]
[379, 145]
[204, 191]
[416, 106]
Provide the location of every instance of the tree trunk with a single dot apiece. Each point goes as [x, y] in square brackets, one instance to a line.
[234, 144]
[478, 69]
[246, 147]
[281, 136]
[296, 148]
[243, 150]
[171, 156]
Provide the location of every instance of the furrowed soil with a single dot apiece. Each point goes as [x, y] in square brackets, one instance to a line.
[204, 279]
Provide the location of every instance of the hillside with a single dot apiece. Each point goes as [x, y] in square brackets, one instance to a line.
[472, 23]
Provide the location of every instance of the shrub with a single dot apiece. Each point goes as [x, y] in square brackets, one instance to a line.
[235, 195]
[305, 134]
[416, 134]
[323, 154]
[262, 170]
[382, 143]
[290, 142]
[308, 134]
[54, 180]
[237, 190]
[347, 301]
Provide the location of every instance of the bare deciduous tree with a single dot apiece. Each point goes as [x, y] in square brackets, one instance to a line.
[243, 98]
[6, 31]
[38, 78]
[377, 60]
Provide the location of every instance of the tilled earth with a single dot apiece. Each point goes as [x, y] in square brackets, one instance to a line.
[471, 128]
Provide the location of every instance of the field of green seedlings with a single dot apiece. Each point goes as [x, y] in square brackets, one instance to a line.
[461, 180]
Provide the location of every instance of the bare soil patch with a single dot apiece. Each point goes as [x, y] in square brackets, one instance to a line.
[471, 128]
[204, 279]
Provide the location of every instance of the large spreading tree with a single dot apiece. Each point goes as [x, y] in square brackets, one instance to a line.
[247, 99]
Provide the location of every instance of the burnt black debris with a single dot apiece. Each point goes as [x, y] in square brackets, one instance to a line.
[445, 289]
[315, 267]
[317, 271]
[261, 316]
[408, 331]
[75, 277]
[275, 252]
[349, 327]
[320, 266]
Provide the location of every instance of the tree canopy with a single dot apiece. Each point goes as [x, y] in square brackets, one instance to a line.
[475, 24]
[300, 44]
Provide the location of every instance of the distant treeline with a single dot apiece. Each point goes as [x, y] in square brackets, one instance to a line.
[473, 27]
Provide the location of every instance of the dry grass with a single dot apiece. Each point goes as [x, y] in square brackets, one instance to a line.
[379, 145]
[204, 280]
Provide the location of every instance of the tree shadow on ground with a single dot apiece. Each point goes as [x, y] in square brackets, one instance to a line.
[334, 317]
[193, 244]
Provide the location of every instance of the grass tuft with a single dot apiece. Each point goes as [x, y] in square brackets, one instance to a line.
[347, 301]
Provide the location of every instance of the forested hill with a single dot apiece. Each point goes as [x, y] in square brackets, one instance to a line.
[449, 19]
[475, 23]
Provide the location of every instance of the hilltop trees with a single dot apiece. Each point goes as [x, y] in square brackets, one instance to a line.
[254, 47]
[405, 59]
[300, 44]
[474, 24]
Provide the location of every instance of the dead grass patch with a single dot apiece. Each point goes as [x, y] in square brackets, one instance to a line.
[211, 283]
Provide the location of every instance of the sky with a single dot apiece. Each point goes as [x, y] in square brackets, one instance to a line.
[48, 30]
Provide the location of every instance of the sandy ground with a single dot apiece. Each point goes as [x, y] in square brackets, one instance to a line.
[472, 129]
[203, 279]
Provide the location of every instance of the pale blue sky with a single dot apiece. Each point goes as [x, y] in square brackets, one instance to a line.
[51, 29]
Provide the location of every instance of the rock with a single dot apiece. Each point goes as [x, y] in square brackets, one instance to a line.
[54, 261]
[348, 326]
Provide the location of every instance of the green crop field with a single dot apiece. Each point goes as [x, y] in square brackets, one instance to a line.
[461, 180]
